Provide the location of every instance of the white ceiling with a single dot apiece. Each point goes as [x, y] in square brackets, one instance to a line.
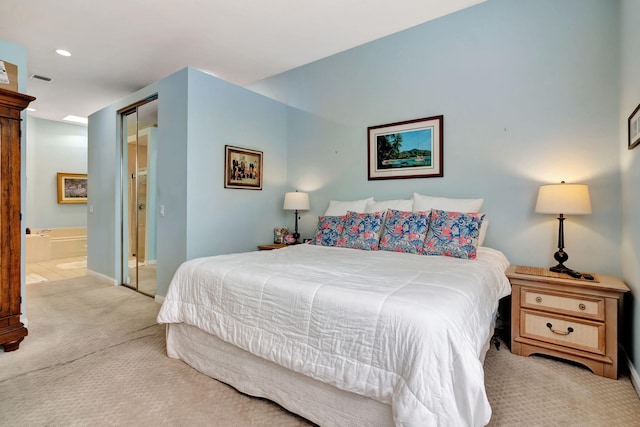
[120, 46]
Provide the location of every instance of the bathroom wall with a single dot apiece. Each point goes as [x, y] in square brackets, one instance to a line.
[53, 147]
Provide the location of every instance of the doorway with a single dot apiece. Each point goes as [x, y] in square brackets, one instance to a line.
[139, 195]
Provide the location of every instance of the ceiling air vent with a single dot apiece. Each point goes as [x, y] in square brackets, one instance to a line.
[39, 77]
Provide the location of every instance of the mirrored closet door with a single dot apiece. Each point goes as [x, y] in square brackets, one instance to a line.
[139, 195]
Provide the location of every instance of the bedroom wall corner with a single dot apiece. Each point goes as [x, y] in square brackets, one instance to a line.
[317, 150]
[630, 167]
[221, 113]
[529, 94]
[197, 115]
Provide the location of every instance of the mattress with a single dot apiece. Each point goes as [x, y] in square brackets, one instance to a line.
[402, 329]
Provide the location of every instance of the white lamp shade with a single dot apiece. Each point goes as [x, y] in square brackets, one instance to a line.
[296, 201]
[568, 199]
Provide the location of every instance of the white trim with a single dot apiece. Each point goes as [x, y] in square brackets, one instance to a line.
[102, 277]
[159, 299]
[635, 378]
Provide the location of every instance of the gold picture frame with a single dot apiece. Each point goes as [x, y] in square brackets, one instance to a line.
[72, 187]
[242, 168]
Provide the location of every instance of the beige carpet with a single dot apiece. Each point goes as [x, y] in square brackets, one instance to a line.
[95, 356]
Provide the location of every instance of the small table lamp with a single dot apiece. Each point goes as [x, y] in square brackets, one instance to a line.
[295, 201]
[569, 199]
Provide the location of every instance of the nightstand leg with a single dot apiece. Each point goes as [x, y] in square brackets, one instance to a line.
[515, 319]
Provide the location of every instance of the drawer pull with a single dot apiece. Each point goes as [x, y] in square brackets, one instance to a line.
[538, 300]
[582, 307]
[550, 326]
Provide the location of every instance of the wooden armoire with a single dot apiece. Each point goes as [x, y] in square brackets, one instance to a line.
[12, 331]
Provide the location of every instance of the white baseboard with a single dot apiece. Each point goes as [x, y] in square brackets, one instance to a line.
[635, 378]
[102, 277]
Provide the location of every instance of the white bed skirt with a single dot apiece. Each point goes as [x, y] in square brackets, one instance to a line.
[314, 400]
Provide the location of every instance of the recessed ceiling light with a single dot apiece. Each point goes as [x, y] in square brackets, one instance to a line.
[31, 109]
[76, 119]
[63, 52]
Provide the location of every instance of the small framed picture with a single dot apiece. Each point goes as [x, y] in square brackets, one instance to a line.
[242, 168]
[72, 187]
[634, 128]
[411, 149]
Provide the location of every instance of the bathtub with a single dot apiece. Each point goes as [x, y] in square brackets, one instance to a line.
[53, 243]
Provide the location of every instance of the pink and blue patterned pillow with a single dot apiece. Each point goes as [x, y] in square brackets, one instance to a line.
[329, 230]
[453, 234]
[361, 231]
[404, 231]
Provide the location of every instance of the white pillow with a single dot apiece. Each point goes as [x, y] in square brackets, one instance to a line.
[483, 231]
[404, 205]
[340, 208]
[426, 203]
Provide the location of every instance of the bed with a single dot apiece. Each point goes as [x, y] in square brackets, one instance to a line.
[340, 336]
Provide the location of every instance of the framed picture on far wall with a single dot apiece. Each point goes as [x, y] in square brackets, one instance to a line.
[634, 128]
[72, 187]
[242, 168]
[411, 149]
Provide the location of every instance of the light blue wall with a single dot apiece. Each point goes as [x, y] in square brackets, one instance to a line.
[630, 161]
[17, 55]
[529, 94]
[223, 220]
[197, 116]
[103, 202]
[103, 205]
[53, 147]
[152, 196]
[172, 173]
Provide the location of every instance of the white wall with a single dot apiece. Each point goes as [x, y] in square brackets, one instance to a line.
[529, 94]
[53, 147]
[630, 161]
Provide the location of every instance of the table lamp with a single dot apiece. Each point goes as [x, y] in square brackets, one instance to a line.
[563, 199]
[296, 201]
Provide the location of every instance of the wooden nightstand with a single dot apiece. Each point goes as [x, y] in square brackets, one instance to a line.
[567, 318]
[271, 246]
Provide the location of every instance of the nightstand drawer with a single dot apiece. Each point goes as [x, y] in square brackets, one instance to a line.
[570, 332]
[592, 308]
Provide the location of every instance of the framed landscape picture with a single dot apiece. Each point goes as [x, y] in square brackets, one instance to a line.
[411, 149]
[242, 168]
[72, 187]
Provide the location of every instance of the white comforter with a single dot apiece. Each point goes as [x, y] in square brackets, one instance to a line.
[403, 329]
